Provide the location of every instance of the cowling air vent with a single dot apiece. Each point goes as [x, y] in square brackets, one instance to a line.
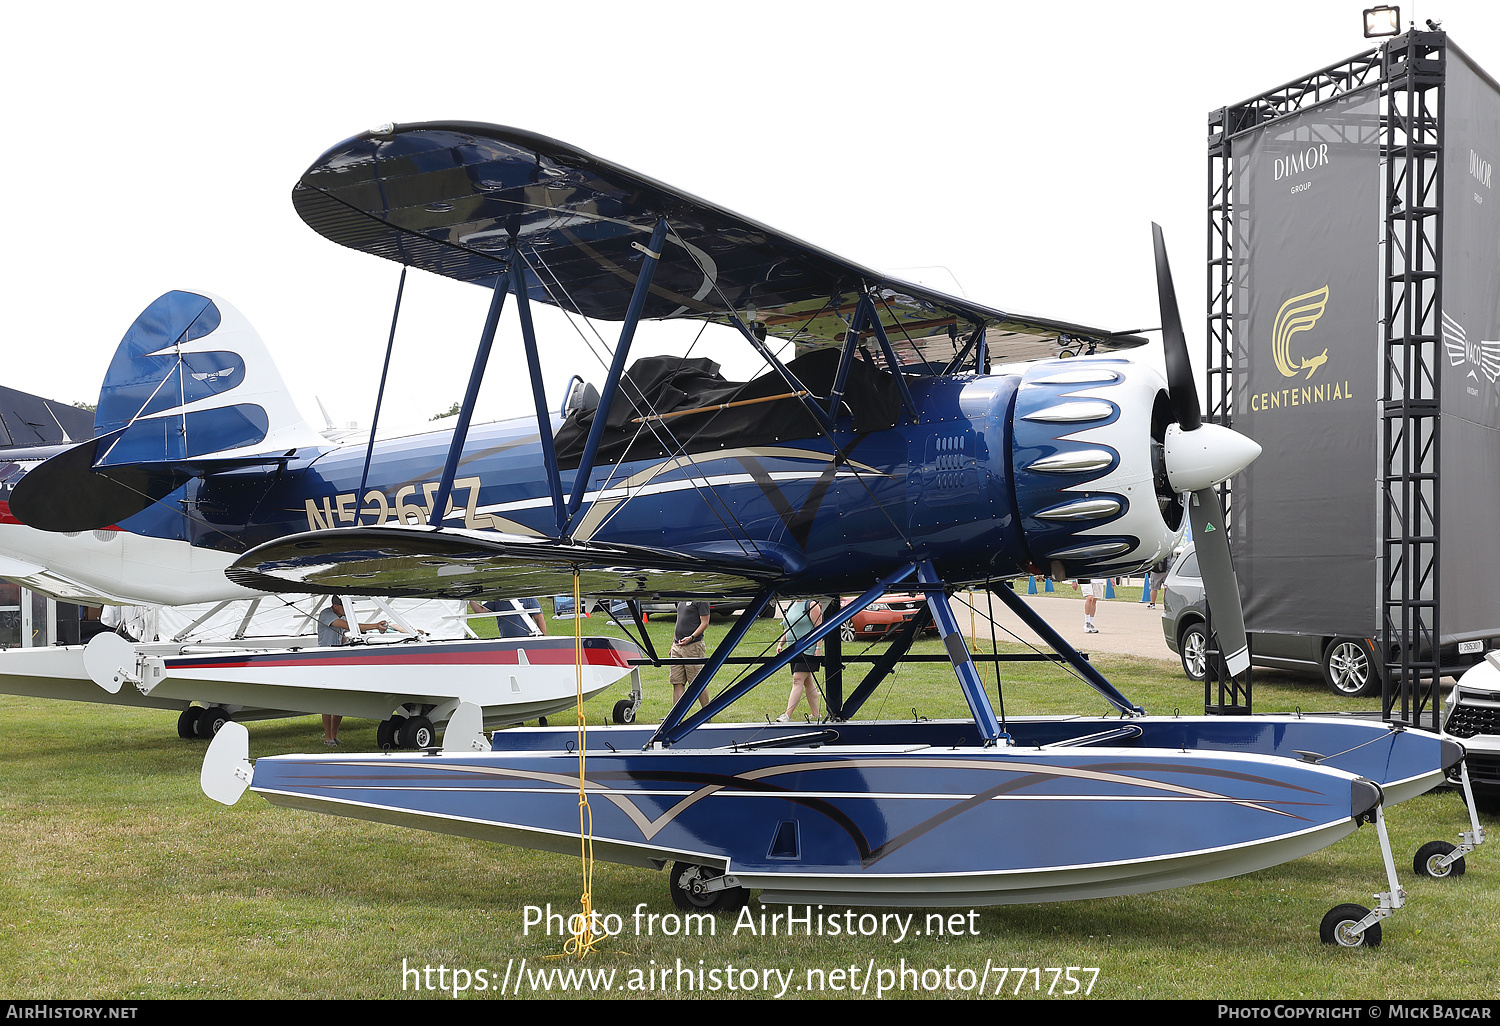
[1085, 455]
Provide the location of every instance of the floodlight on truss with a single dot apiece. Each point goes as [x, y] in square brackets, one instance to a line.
[1382, 21]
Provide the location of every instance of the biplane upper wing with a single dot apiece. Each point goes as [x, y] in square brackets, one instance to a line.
[458, 198]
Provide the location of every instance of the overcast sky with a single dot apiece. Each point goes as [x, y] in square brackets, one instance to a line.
[1017, 152]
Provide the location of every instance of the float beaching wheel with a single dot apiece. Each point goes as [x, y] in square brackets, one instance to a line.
[688, 893]
[1338, 928]
[624, 711]
[1429, 858]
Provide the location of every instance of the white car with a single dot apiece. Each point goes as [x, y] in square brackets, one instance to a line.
[1472, 715]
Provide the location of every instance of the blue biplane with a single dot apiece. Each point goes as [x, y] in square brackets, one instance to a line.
[914, 439]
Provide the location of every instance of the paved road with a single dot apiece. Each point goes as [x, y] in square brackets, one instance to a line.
[1125, 628]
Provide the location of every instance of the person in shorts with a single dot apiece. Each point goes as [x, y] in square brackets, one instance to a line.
[687, 643]
[1158, 577]
[332, 626]
[1093, 591]
[801, 618]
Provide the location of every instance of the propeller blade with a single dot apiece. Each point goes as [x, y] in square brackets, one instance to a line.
[1220, 586]
[1180, 386]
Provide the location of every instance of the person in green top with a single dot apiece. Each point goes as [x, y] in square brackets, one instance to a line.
[801, 617]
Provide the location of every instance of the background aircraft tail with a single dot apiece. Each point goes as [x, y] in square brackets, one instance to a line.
[192, 379]
[191, 391]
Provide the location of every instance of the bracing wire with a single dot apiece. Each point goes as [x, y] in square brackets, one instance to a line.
[828, 435]
[1033, 647]
[716, 505]
[989, 597]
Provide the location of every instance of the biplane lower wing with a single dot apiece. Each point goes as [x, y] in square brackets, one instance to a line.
[426, 562]
[463, 199]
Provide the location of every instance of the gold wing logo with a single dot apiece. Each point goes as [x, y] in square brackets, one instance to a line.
[1297, 314]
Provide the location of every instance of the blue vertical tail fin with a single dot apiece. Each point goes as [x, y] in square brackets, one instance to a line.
[191, 390]
[192, 379]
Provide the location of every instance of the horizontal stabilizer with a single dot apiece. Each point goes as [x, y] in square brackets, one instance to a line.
[71, 493]
[431, 563]
[66, 494]
[50, 581]
[453, 197]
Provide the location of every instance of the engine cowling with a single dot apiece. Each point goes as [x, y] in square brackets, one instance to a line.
[1087, 459]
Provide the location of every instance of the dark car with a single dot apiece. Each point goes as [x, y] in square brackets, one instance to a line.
[1346, 664]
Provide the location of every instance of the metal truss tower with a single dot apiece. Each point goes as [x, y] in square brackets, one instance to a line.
[1413, 71]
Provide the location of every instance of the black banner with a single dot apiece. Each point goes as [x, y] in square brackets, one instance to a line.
[1469, 489]
[1307, 364]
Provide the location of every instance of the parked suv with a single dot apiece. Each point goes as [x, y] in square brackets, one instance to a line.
[1472, 714]
[1346, 664]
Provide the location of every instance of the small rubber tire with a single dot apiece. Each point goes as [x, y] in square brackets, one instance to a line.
[684, 874]
[624, 711]
[211, 721]
[416, 732]
[1335, 928]
[187, 723]
[385, 733]
[1192, 648]
[1425, 862]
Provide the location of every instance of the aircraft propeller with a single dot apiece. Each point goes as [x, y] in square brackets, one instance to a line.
[1198, 457]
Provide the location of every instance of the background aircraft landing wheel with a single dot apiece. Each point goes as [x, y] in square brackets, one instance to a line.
[210, 720]
[1338, 928]
[385, 734]
[187, 723]
[1428, 858]
[624, 711]
[415, 732]
[685, 875]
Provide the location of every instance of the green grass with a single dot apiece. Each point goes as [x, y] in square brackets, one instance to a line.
[123, 881]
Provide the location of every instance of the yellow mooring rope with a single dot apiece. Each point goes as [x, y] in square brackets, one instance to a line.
[583, 940]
